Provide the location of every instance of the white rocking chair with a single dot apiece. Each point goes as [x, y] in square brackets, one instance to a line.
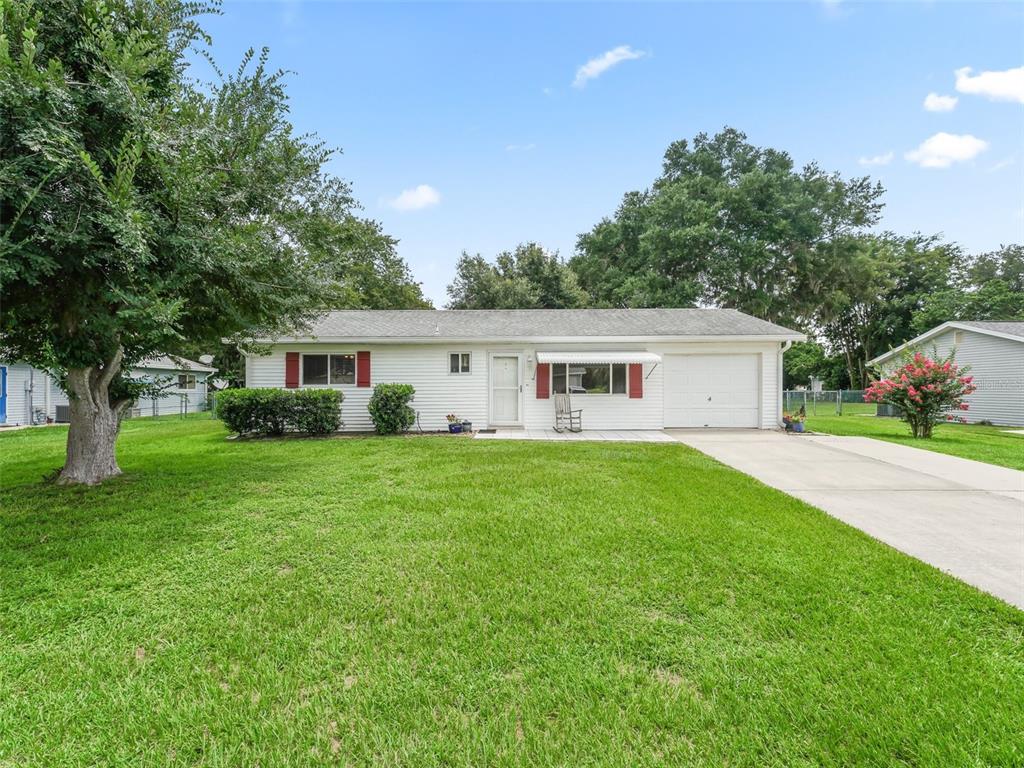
[564, 414]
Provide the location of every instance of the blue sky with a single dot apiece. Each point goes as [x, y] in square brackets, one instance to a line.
[478, 126]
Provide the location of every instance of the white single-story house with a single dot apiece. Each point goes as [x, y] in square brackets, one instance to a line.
[31, 396]
[995, 353]
[626, 368]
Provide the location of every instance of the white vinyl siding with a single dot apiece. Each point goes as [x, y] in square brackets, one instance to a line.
[438, 392]
[17, 399]
[46, 393]
[997, 365]
[170, 400]
[426, 367]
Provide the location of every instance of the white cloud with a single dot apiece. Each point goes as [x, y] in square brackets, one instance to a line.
[520, 147]
[1006, 162]
[415, 199]
[598, 66]
[933, 102]
[547, 91]
[834, 9]
[944, 149]
[877, 159]
[1007, 85]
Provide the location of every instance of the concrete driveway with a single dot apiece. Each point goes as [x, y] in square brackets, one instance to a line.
[964, 517]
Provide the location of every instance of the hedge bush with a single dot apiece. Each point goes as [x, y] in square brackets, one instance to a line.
[389, 408]
[277, 411]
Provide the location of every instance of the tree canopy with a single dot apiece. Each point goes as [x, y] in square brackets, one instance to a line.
[527, 277]
[726, 224]
[873, 288]
[142, 211]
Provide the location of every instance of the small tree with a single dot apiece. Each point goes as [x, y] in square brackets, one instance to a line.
[924, 390]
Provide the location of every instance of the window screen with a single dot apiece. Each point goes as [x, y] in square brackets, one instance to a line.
[314, 369]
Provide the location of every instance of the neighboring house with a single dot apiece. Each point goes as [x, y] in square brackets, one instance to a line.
[995, 353]
[626, 368]
[29, 395]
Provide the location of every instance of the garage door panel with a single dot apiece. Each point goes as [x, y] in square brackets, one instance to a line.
[711, 391]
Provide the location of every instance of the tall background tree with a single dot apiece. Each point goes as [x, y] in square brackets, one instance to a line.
[989, 286]
[872, 289]
[142, 212]
[526, 278]
[726, 224]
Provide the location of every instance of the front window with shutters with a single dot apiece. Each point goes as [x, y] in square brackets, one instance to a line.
[574, 379]
[328, 370]
[459, 362]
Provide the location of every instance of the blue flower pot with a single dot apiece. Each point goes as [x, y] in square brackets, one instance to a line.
[455, 428]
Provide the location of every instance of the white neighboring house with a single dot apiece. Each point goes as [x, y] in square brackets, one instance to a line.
[995, 352]
[25, 391]
[626, 368]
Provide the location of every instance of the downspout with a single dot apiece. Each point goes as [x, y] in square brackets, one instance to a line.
[778, 410]
[48, 397]
[29, 386]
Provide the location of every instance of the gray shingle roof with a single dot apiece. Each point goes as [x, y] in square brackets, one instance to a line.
[536, 323]
[1008, 327]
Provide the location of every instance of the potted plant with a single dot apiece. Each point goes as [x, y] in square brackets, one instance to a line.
[454, 423]
[794, 422]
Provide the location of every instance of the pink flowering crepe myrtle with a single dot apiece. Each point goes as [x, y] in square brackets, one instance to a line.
[925, 391]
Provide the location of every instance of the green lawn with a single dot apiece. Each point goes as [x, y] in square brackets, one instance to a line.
[971, 441]
[443, 601]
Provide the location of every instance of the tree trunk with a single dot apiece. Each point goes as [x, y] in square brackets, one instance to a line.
[95, 424]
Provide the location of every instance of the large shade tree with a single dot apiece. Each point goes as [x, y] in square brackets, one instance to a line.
[872, 289]
[726, 224]
[141, 211]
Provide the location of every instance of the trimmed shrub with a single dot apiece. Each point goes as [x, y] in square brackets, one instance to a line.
[389, 408]
[317, 411]
[277, 411]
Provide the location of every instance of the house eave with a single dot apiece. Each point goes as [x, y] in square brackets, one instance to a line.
[939, 329]
[383, 340]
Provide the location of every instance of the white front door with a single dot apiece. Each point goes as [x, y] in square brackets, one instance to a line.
[506, 392]
[711, 391]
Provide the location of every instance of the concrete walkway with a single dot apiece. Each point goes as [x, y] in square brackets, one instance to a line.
[962, 516]
[587, 435]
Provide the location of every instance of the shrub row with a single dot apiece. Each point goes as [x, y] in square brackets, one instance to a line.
[277, 411]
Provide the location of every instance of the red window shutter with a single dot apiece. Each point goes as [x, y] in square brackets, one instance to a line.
[543, 381]
[291, 369]
[362, 369]
[636, 380]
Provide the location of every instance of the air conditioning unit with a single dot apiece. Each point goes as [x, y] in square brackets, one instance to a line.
[63, 414]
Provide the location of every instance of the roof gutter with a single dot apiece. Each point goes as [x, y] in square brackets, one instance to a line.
[530, 339]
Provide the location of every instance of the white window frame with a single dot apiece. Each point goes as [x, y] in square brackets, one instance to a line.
[328, 355]
[611, 380]
[195, 382]
[460, 353]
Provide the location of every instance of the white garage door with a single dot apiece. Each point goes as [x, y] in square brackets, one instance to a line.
[711, 391]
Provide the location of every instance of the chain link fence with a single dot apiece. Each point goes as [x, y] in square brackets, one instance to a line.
[834, 402]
